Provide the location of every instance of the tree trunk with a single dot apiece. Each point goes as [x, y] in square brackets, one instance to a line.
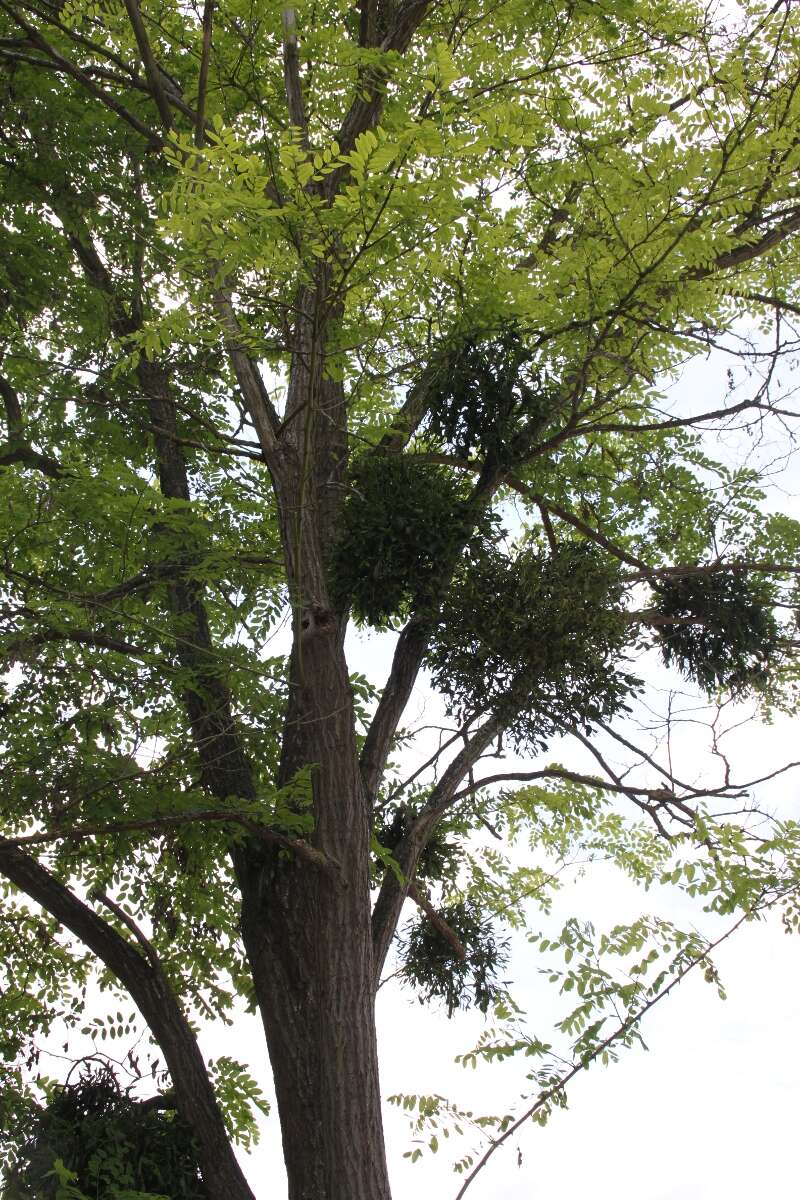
[308, 938]
[313, 982]
[306, 928]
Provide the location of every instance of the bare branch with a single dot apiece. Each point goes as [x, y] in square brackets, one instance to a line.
[202, 83]
[148, 949]
[718, 414]
[151, 68]
[658, 795]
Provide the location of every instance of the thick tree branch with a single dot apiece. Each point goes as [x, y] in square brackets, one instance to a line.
[291, 72]
[221, 816]
[26, 456]
[406, 662]
[749, 251]
[151, 68]
[367, 23]
[392, 894]
[16, 449]
[151, 993]
[366, 109]
[202, 82]
[152, 138]
[82, 637]
[256, 397]
[411, 413]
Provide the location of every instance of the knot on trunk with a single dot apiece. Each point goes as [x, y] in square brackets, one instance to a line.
[315, 621]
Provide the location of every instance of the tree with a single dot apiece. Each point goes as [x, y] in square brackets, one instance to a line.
[294, 301]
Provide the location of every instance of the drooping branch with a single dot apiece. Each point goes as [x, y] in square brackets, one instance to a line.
[569, 518]
[775, 302]
[81, 637]
[152, 994]
[416, 894]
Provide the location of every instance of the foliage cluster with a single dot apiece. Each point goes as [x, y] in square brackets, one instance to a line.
[111, 1145]
[719, 629]
[480, 396]
[534, 638]
[437, 972]
[400, 519]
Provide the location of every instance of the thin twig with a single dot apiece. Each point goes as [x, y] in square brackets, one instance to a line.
[621, 1031]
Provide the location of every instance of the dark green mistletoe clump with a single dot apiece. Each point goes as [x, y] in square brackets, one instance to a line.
[440, 857]
[399, 522]
[112, 1144]
[719, 629]
[431, 965]
[533, 640]
[480, 397]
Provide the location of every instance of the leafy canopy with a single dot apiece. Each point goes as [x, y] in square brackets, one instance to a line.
[508, 227]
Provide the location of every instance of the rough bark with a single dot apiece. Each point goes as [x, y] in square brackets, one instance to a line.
[306, 929]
